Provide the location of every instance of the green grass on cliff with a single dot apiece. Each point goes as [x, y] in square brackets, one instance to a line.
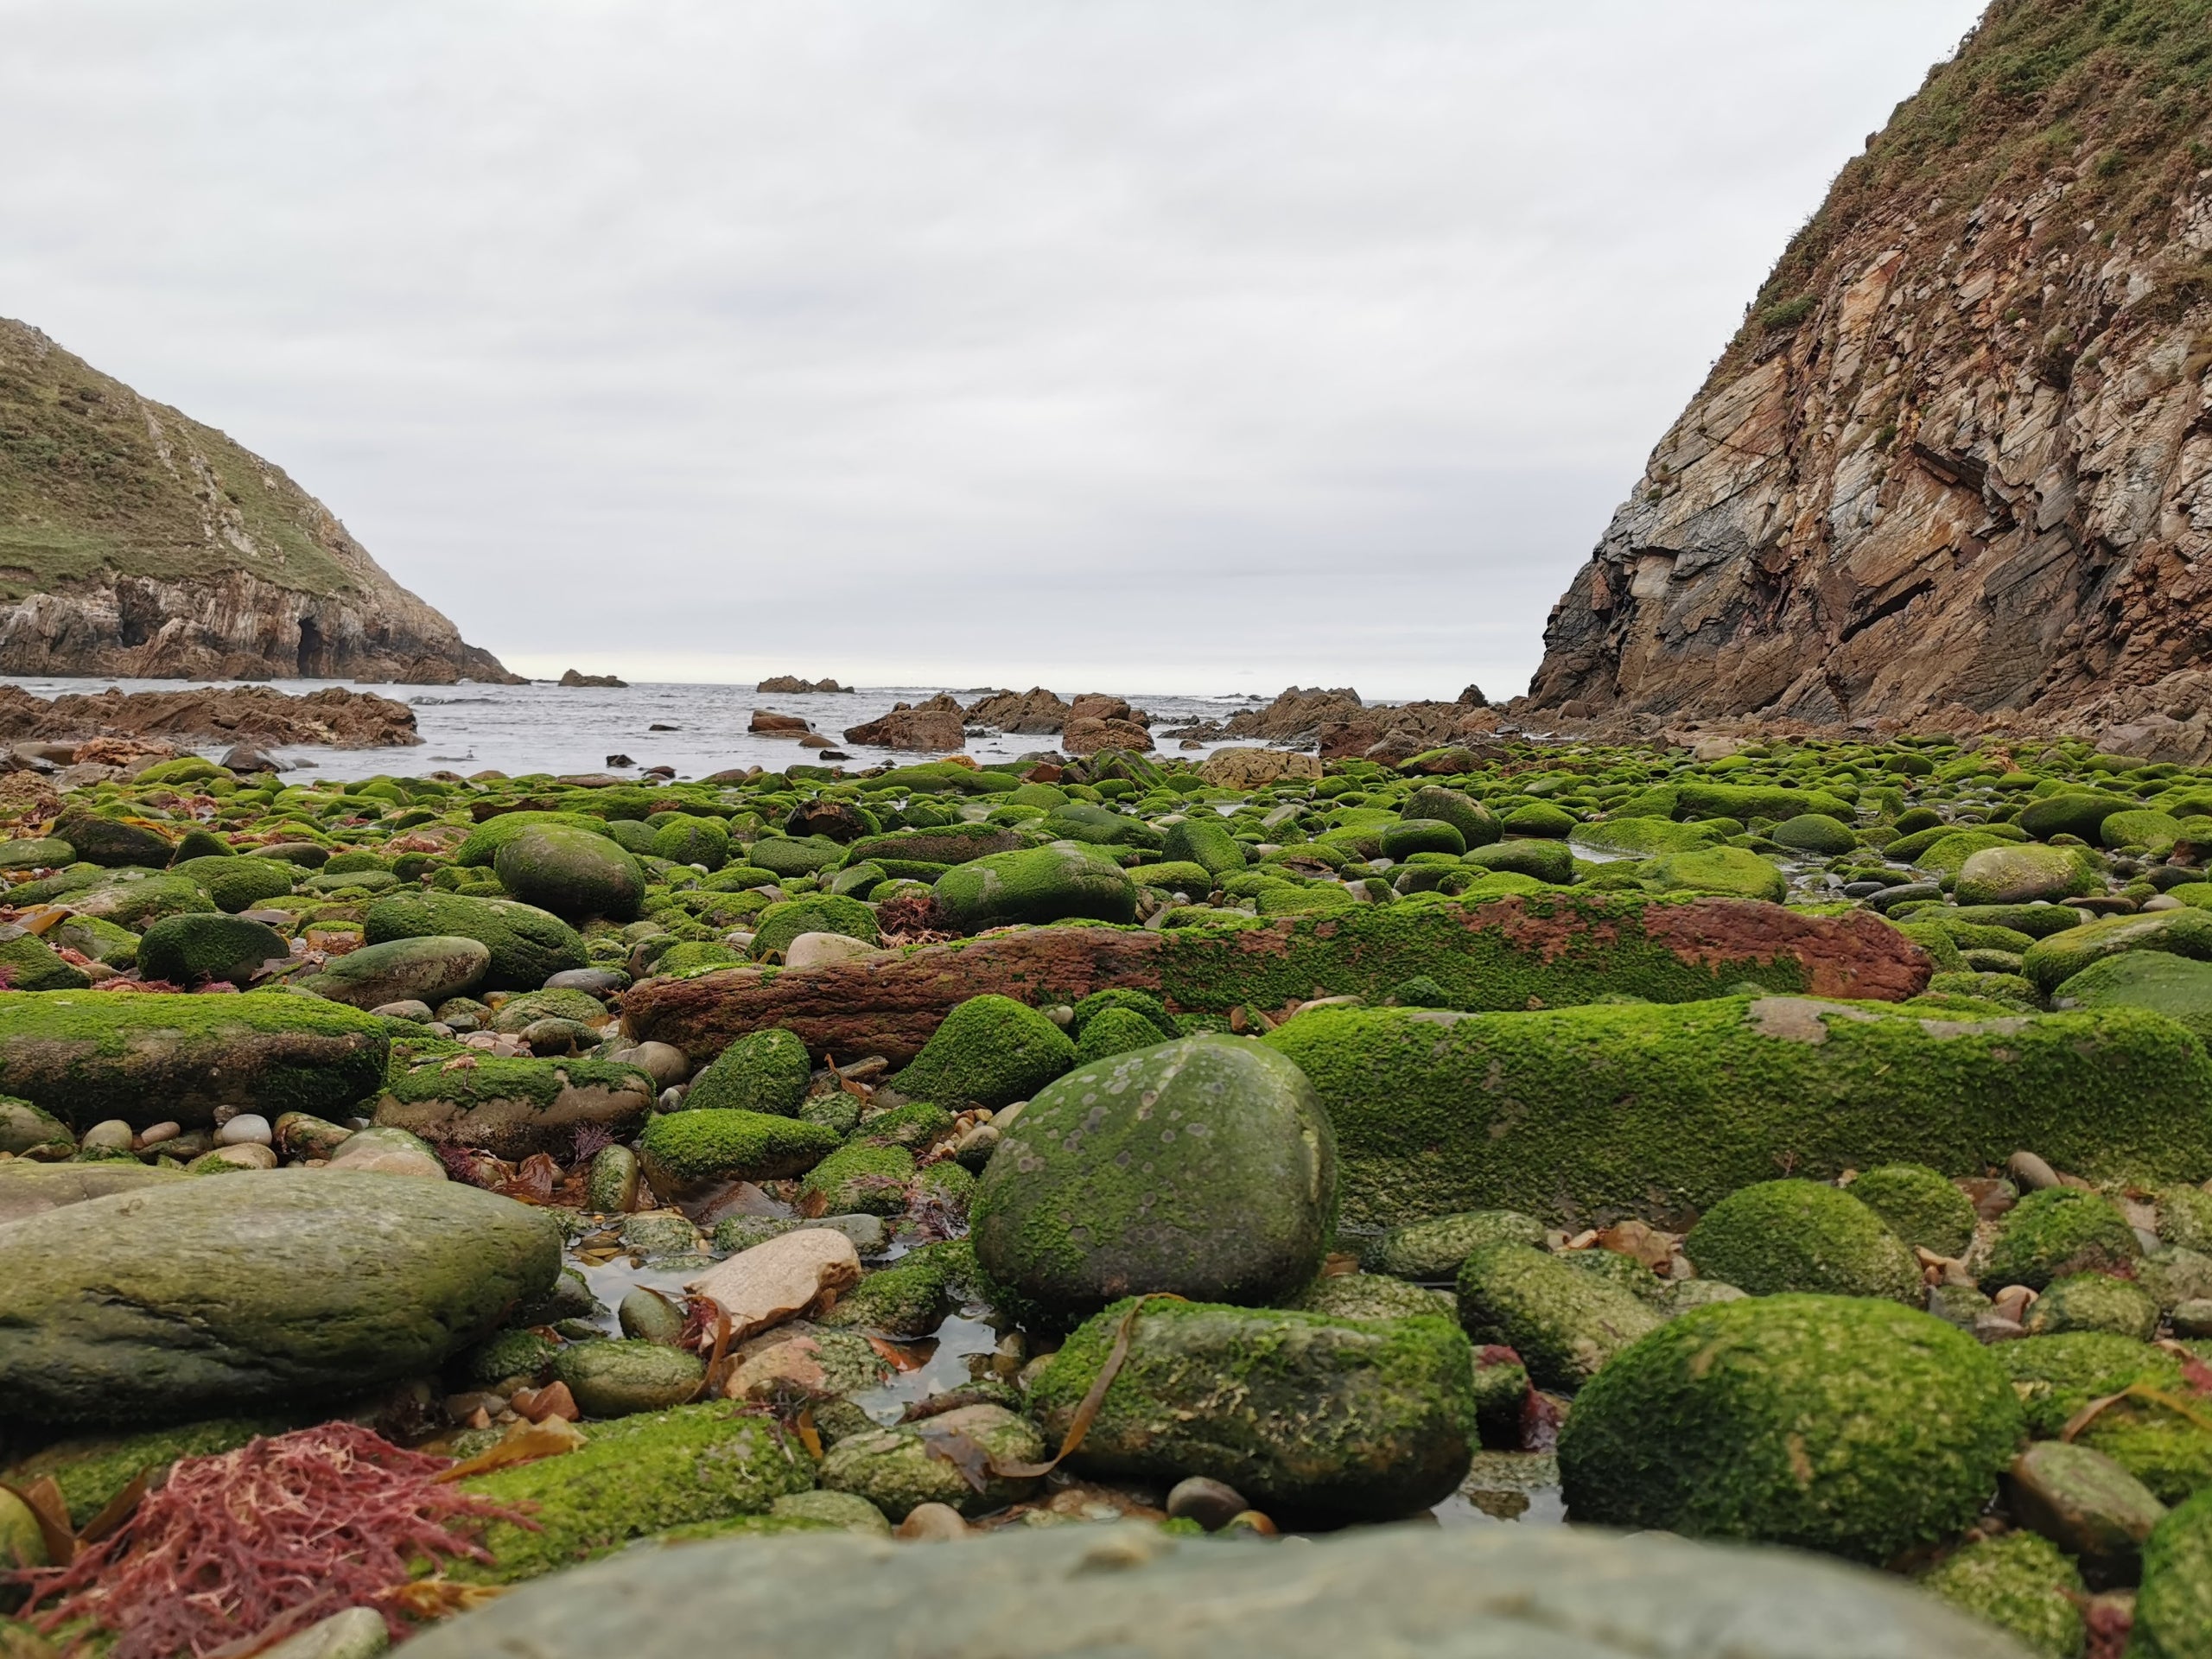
[88, 483]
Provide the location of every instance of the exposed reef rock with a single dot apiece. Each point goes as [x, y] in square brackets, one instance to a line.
[1954, 469]
[134, 541]
[333, 715]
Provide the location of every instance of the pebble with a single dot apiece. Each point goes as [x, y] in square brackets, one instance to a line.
[246, 1129]
[933, 1523]
[111, 1135]
[406, 1009]
[2032, 1171]
[1212, 1503]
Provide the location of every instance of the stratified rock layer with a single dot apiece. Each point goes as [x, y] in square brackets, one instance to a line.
[135, 540]
[1955, 463]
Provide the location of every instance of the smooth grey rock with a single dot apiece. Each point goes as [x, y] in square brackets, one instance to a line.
[357, 1633]
[1087, 1592]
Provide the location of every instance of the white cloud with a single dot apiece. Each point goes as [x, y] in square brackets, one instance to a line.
[1162, 346]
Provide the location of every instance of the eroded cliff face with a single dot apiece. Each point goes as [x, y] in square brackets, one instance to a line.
[1954, 469]
[134, 541]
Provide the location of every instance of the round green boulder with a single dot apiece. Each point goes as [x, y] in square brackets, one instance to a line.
[1920, 1207]
[763, 1072]
[1114, 1031]
[1409, 835]
[196, 949]
[1814, 832]
[682, 838]
[817, 912]
[990, 1051]
[2021, 1582]
[1476, 824]
[528, 946]
[616, 1379]
[2051, 1233]
[2023, 874]
[1042, 884]
[2173, 1610]
[2050, 962]
[1204, 1166]
[428, 970]
[1841, 1424]
[573, 873]
[1802, 1236]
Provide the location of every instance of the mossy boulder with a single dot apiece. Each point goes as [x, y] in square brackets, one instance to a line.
[2022, 1584]
[633, 1477]
[560, 1002]
[763, 1072]
[573, 873]
[866, 1177]
[819, 912]
[2055, 1377]
[28, 962]
[482, 846]
[1206, 842]
[990, 1051]
[37, 853]
[89, 936]
[1114, 1031]
[512, 1108]
[2095, 1301]
[192, 1296]
[2071, 812]
[1566, 1323]
[514, 1356]
[1409, 835]
[790, 855]
[951, 843]
[2023, 874]
[2177, 987]
[89, 1056]
[2061, 1231]
[685, 1154]
[2173, 1610]
[1585, 1115]
[1920, 1206]
[1311, 1418]
[907, 1299]
[1814, 832]
[527, 945]
[1548, 861]
[899, 1469]
[619, 1379]
[1203, 1167]
[422, 969]
[1041, 884]
[1731, 870]
[242, 883]
[131, 899]
[1379, 1296]
[1476, 824]
[26, 1131]
[113, 842]
[683, 838]
[2050, 962]
[191, 950]
[1843, 1424]
[1802, 1236]
[1433, 1250]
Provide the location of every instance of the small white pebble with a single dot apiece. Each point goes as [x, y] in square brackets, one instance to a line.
[246, 1129]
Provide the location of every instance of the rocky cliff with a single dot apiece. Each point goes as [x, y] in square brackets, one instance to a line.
[1953, 471]
[134, 541]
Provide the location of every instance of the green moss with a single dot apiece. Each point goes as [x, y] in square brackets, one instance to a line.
[2051, 962]
[2055, 1377]
[1133, 1002]
[2022, 1584]
[1565, 1323]
[1304, 1414]
[573, 873]
[91, 1468]
[2167, 1453]
[990, 1051]
[1375, 1296]
[1043, 884]
[1206, 842]
[1802, 1236]
[1432, 1251]
[505, 1357]
[821, 912]
[861, 1178]
[2093, 1301]
[1736, 1421]
[2173, 1610]
[684, 1152]
[916, 1125]
[1115, 1030]
[763, 1072]
[633, 1477]
[1920, 1206]
[1587, 1114]
[562, 1003]
[684, 839]
[2061, 1231]
[1728, 870]
[483, 844]
[906, 1299]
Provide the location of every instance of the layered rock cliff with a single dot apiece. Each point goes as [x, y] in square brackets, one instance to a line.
[134, 541]
[1954, 469]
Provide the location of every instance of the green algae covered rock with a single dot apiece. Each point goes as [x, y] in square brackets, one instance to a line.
[1203, 1167]
[428, 970]
[512, 1108]
[1206, 842]
[1566, 1323]
[2055, 1377]
[27, 1132]
[1433, 1250]
[1587, 1113]
[685, 1154]
[1802, 1236]
[2071, 812]
[101, 839]
[91, 1469]
[1379, 1296]
[1743, 802]
[31, 964]
[2095, 1301]
[1814, 832]
[1920, 1206]
[2050, 962]
[195, 1295]
[861, 1178]
[527, 945]
[1041, 884]
[1476, 824]
[481, 848]
[632, 1476]
[763, 1072]
[684, 838]
[1547, 862]
[2173, 1610]
[1731, 870]
[2021, 1583]
[573, 873]
[241, 883]
[1307, 1416]
[131, 899]
[2177, 986]
[2061, 1231]
[620, 1379]
[191, 950]
[1843, 1424]
[991, 1050]
[819, 912]
[906, 1299]
[897, 1469]
[89, 1056]
[2022, 875]
[1114, 1031]
[37, 853]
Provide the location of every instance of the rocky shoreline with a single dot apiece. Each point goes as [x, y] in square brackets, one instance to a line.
[1117, 1164]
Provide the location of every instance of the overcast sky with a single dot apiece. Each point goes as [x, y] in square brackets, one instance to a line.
[1197, 347]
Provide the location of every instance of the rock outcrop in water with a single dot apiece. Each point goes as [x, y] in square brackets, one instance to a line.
[135, 540]
[1954, 465]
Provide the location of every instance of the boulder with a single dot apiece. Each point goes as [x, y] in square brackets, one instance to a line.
[527, 945]
[618, 1379]
[1203, 1167]
[1245, 769]
[1919, 1206]
[423, 969]
[385, 1150]
[779, 1278]
[27, 1132]
[2020, 1583]
[1042, 884]
[934, 727]
[685, 1154]
[767, 1072]
[513, 1108]
[1312, 1418]
[991, 1050]
[32, 1189]
[1716, 869]
[1585, 1115]
[111, 841]
[575, 873]
[1433, 1250]
[1565, 1321]
[193, 950]
[2177, 987]
[192, 1296]
[2023, 874]
[2173, 1610]
[1551, 1593]
[2050, 962]
[2056, 1232]
[899, 1469]
[1782, 1235]
[87, 1057]
[1850, 1425]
